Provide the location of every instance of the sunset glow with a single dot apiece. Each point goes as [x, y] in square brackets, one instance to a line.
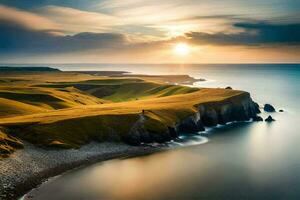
[181, 49]
[83, 82]
[110, 31]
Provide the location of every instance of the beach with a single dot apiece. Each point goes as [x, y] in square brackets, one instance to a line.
[29, 167]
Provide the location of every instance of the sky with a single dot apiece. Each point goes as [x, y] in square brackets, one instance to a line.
[140, 31]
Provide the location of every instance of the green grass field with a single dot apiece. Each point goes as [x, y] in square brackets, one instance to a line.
[73, 112]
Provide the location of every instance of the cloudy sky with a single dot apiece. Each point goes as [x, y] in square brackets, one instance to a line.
[140, 31]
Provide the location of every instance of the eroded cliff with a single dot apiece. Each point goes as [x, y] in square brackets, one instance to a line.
[237, 108]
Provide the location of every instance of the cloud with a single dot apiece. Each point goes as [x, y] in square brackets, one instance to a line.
[132, 34]
[15, 38]
[74, 20]
[154, 12]
[62, 20]
[26, 19]
[251, 34]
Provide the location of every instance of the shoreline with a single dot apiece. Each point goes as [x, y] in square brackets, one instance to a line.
[29, 167]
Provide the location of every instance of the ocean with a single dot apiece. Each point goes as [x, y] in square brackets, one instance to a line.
[243, 160]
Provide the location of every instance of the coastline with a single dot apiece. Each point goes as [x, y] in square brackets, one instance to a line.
[161, 120]
[29, 167]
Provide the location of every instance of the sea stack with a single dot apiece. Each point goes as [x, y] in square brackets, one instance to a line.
[269, 119]
[269, 108]
[257, 118]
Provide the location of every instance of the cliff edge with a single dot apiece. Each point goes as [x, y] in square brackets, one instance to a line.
[134, 122]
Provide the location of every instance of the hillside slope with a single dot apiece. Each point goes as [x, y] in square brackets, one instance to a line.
[68, 114]
[116, 121]
[123, 89]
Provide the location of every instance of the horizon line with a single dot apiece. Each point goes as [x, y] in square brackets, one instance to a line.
[100, 63]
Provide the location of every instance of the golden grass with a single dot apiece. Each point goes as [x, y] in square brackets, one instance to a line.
[28, 100]
[123, 89]
[175, 102]
[10, 108]
[73, 127]
[8, 144]
[70, 109]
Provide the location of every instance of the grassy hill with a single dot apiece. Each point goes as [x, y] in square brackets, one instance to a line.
[124, 89]
[69, 114]
[79, 125]
[28, 100]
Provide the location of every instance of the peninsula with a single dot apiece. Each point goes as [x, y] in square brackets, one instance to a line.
[54, 111]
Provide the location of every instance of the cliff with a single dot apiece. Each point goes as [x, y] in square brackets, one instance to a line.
[131, 110]
[237, 108]
[142, 121]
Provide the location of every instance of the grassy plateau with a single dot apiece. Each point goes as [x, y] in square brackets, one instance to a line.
[69, 109]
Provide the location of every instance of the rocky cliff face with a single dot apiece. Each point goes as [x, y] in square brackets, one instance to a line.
[237, 108]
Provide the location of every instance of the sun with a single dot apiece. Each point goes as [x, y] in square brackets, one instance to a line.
[182, 49]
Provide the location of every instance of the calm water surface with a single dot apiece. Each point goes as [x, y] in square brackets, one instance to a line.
[240, 160]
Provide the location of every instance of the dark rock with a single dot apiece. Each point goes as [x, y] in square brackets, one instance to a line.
[281, 110]
[256, 108]
[240, 114]
[225, 114]
[269, 119]
[210, 118]
[172, 132]
[113, 136]
[146, 137]
[239, 108]
[269, 108]
[200, 126]
[257, 119]
[133, 139]
[161, 137]
[188, 126]
[228, 88]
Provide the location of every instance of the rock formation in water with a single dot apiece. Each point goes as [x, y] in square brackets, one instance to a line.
[257, 119]
[269, 108]
[269, 119]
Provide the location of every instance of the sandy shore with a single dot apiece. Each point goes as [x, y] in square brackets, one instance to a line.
[27, 168]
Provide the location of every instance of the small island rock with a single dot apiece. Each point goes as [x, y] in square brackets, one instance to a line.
[269, 119]
[228, 88]
[281, 110]
[269, 108]
[257, 119]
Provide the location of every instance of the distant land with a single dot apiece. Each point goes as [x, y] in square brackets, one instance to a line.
[27, 69]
